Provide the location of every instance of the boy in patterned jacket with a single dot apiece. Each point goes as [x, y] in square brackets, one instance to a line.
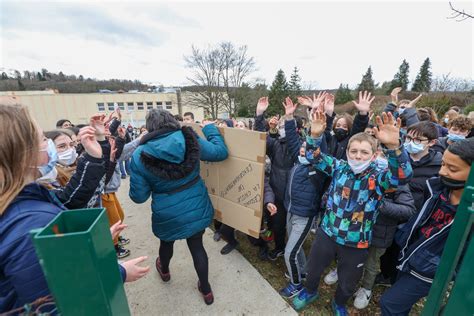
[355, 193]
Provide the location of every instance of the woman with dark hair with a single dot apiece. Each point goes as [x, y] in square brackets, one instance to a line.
[166, 166]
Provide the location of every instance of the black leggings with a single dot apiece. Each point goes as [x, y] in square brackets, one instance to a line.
[199, 254]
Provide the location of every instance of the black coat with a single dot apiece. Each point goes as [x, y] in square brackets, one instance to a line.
[427, 167]
[336, 148]
[282, 161]
[397, 207]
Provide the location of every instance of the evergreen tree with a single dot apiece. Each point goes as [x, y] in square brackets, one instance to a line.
[343, 94]
[294, 84]
[278, 92]
[401, 77]
[367, 83]
[423, 79]
[21, 86]
[4, 76]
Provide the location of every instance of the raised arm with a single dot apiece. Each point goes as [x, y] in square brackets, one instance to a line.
[213, 148]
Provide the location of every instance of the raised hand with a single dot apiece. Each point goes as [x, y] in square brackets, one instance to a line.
[304, 100]
[98, 122]
[262, 105]
[116, 229]
[121, 132]
[113, 149]
[365, 99]
[87, 136]
[388, 130]
[134, 271]
[394, 94]
[329, 104]
[272, 209]
[414, 101]
[318, 123]
[316, 102]
[289, 107]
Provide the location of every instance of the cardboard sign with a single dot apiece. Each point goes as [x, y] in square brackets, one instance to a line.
[236, 184]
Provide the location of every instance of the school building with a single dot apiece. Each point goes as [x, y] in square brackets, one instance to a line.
[49, 106]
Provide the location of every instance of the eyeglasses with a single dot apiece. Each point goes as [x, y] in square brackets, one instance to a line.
[415, 140]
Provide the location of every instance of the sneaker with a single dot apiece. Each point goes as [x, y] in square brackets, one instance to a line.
[263, 253]
[362, 298]
[121, 252]
[302, 276]
[217, 236]
[381, 280]
[267, 236]
[291, 290]
[164, 276]
[303, 299]
[331, 278]
[275, 253]
[208, 298]
[122, 241]
[228, 248]
[339, 310]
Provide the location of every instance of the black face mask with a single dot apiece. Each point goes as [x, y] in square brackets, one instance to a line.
[453, 184]
[340, 133]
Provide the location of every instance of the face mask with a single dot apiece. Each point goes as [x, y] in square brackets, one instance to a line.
[50, 177]
[413, 148]
[455, 137]
[282, 132]
[446, 120]
[453, 184]
[340, 134]
[303, 160]
[358, 166]
[381, 163]
[52, 159]
[400, 111]
[67, 157]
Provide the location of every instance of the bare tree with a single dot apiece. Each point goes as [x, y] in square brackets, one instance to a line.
[446, 82]
[217, 72]
[459, 15]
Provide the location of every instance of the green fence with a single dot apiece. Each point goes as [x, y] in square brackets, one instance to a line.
[80, 264]
[461, 299]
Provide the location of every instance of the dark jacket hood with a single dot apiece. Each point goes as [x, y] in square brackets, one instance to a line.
[171, 154]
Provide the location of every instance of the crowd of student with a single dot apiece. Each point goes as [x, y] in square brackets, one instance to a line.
[377, 191]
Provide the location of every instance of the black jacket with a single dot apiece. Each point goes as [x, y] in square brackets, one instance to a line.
[397, 207]
[83, 184]
[282, 161]
[424, 169]
[337, 148]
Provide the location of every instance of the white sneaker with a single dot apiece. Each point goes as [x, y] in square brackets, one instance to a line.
[331, 277]
[362, 298]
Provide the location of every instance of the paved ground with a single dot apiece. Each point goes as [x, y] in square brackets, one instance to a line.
[238, 288]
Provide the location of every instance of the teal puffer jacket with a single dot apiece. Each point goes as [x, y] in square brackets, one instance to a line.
[167, 166]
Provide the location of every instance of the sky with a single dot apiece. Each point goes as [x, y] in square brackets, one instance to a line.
[330, 42]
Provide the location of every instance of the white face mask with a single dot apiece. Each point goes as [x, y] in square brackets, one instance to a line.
[303, 160]
[50, 177]
[282, 132]
[358, 166]
[68, 157]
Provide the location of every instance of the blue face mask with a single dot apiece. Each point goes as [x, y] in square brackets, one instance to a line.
[413, 148]
[455, 137]
[381, 163]
[303, 160]
[400, 111]
[52, 159]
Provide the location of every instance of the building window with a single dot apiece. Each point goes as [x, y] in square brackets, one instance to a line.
[159, 107]
[168, 102]
[101, 107]
[169, 107]
[110, 106]
[149, 105]
[139, 105]
[121, 106]
[130, 106]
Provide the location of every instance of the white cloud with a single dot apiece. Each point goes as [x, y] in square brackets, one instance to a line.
[330, 42]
